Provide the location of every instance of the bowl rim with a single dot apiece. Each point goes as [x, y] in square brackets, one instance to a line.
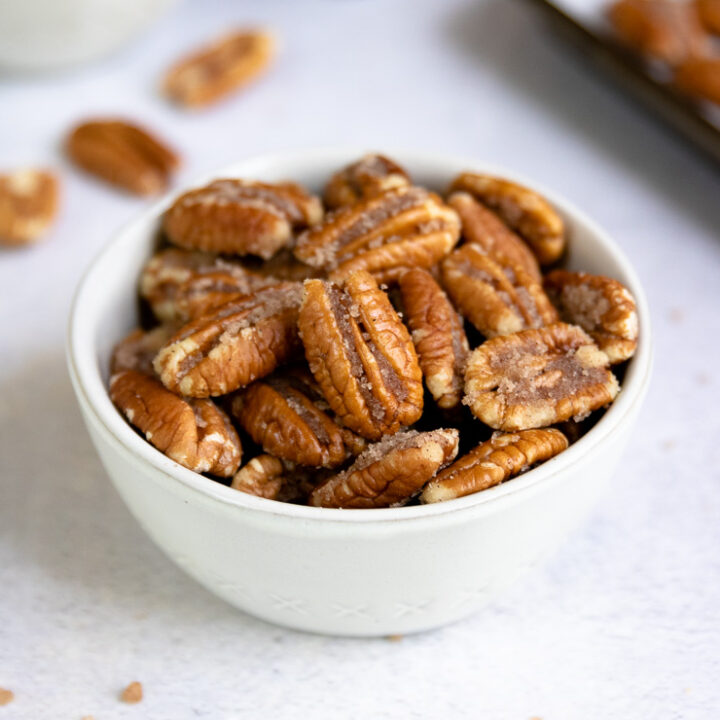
[92, 393]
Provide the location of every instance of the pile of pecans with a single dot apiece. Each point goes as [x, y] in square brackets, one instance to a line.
[679, 36]
[350, 349]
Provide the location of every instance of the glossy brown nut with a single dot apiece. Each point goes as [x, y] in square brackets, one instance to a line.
[240, 217]
[498, 459]
[496, 299]
[219, 69]
[181, 285]
[232, 345]
[122, 154]
[438, 335]
[194, 433]
[522, 209]
[485, 229]
[539, 377]
[385, 235]
[28, 205]
[137, 350]
[699, 78]
[661, 29]
[389, 472]
[370, 176]
[285, 414]
[361, 355]
[263, 476]
[601, 306]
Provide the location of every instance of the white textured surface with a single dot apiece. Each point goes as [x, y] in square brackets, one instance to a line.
[623, 622]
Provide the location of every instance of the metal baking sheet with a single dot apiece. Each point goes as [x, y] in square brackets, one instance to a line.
[583, 24]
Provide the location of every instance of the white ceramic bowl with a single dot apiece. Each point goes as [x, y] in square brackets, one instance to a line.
[40, 35]
[344, 572]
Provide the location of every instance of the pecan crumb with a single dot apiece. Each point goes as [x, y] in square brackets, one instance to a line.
[6, 696]
[133, 693]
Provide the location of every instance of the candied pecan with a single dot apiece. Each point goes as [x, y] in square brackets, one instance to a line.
[122, 154]
[274, 479]
[262, 476]
[240, 216]
[709, 12]
[538, 377]
[139, 348]
[181, 285]
[485, 229]
[361, 355]
[662, 29]
[438, 335]
[389, 472]
[497, 299]
[193, 433]
[285, 414]
[28, 205]
[699, 78]
[601, 306]
[215, 71]
[371, 175]
[524, 210]
[232, 345]
[498, 459]
[385, 235]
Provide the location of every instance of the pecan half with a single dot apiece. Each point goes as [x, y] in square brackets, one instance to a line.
[498, 459]
[601, 306]
[28, 205]
[524, 210]
[361, 355]
[371, 175]
[215, 71]
[497, 299]
[193, 433]
[262, 476]
[240, 217]
[538, 377]
[484, 228]
[122, 154]
[139, 348]
[389, 472]
[181, 285]
[699, 78]
[232, 345]
[285, 414]
[274, 479]
[662, 29]
[438, 335]
[385, 235]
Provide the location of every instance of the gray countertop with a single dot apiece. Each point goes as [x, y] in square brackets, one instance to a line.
[623, 622]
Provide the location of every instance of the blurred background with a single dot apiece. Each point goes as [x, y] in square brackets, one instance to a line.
[623, 622]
